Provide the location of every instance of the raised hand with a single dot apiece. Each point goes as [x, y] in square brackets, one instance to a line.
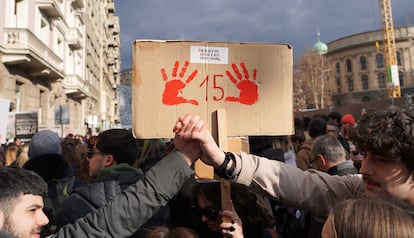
[189, 129]
[173, 88]
[248, 89]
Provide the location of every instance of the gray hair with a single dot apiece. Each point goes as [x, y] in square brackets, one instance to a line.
[329, 147]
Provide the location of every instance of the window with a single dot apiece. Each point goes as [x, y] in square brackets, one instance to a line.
[18, 95]
[380, 61]
[42, 108]
[338, 84]
[338, 68]
[399, 58]
[363, 62]
[350, 81]
[401, 77]
[348, 66]
[364, 81]
[381, 80]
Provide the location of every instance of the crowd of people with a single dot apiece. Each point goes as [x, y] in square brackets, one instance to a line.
[334, 177]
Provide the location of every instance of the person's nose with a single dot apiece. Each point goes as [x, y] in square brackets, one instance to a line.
[366, 165]
[42, 219]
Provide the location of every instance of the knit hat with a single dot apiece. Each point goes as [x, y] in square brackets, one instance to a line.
[348, 118]
[45, 143]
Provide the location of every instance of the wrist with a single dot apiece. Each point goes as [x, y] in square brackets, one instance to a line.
[226, 169]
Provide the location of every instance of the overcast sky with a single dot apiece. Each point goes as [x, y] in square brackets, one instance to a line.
[294, 22]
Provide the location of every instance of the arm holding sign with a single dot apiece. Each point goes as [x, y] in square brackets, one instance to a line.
[132, 208]
[313, 190]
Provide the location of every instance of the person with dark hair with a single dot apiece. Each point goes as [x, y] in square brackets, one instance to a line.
[21, 203]
[113, 147]
[335, 118]
[110, 162]
[250, 218]
[334, 131]
[263, 146]
[317, 127]
[21, 198]
[385, 138]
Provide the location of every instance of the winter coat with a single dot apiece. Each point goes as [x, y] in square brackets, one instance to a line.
[311, 190]
[136, 204]
[303, 156]
[110, 183]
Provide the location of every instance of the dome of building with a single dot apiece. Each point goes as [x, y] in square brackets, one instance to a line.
[320, 48]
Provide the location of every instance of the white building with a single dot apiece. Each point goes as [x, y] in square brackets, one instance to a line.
[60, 54]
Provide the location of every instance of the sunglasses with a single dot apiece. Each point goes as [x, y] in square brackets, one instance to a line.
[91, 153]
[357, 152]
[209, 213]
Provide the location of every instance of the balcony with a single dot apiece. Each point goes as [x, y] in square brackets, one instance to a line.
[78, 4]
[81, 14]
[74, 38]
[21, 47]
[111, 7]
[78, 88]
[50, 8]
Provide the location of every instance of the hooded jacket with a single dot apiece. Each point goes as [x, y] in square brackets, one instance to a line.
[136, 204]
[110, 183]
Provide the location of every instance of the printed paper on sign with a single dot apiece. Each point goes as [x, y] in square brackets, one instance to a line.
[209, 55]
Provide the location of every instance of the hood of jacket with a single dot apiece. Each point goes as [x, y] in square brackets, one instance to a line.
[49, 166]
[111, 182]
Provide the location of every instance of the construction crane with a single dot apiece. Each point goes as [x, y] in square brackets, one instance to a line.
[390, 53]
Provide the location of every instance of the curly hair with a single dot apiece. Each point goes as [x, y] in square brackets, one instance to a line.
[389, 134]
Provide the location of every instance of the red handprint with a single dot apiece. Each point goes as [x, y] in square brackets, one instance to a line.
[173, 88]
[248, 89]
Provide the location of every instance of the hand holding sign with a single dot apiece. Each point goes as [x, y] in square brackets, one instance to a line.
[248, 89]
[173, 88]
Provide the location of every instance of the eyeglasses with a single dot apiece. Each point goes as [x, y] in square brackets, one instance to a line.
[209, 213]
[311, 162]
[91, 153]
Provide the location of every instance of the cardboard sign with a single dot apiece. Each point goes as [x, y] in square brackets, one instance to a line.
[4, 117]
[252, 82]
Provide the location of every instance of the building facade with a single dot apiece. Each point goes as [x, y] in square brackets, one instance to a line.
[357, 70]
[61, 55]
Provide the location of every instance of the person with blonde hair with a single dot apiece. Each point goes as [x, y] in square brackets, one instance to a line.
[368, 217]
[10, 153]
[22, 155]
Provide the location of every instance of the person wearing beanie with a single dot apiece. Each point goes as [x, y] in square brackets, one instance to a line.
[46, 159]
[45, 156]
[348, 122]
[348, 119]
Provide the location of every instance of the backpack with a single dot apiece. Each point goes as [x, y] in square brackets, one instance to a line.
[58, 191]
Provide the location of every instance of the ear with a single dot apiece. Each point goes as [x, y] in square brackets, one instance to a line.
[109, 161]
[322, 160]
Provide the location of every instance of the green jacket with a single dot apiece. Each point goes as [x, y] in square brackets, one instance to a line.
[124, 215]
